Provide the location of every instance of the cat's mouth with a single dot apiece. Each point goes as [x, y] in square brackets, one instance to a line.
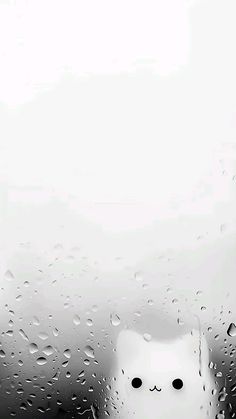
[155, 388]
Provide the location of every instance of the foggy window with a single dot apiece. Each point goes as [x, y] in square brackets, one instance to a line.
[117, 209]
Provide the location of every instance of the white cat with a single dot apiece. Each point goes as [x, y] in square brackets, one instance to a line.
[163, 379]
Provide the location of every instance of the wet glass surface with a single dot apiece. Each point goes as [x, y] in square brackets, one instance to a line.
[117, 209]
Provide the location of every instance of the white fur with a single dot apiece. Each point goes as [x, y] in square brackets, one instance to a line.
[159, 363]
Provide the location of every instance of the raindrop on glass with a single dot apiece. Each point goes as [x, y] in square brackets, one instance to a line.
[76, 320]
[222, 395]
[55, 332]
[114, 319]
[89, 351]
[36, 321]
[33, 348]
[43, 335]
[147, 337]
[23, 334]
[231, 330]
[41, 360]
[67, 353]
[48, 350]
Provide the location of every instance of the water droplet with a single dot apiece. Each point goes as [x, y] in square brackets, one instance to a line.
[33, 348]
[23, 334]
[89, 351]
[9, 275]
[147, 337]
[48, 350]
[233, 388]
[41, 360]
[222, 395]
[114, 319]
[55, 332]
[56, 376]
[67, 353]
[220, 415]
[43, 335]
[94, 410]
[76, 320]
[41, 409]
[65, 363]
[36, 321]
[231, 330]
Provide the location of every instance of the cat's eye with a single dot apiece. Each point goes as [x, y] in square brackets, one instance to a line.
[177, 383]
[136, 382]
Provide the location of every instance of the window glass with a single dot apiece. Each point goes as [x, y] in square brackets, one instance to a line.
[117, 209]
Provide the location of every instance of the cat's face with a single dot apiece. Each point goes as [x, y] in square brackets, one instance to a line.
[162, 377]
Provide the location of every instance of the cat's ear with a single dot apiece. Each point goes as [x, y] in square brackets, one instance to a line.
[128, 345]
[196, 345]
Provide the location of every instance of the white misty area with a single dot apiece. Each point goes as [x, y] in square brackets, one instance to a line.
[123, 110]
[40, 40]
